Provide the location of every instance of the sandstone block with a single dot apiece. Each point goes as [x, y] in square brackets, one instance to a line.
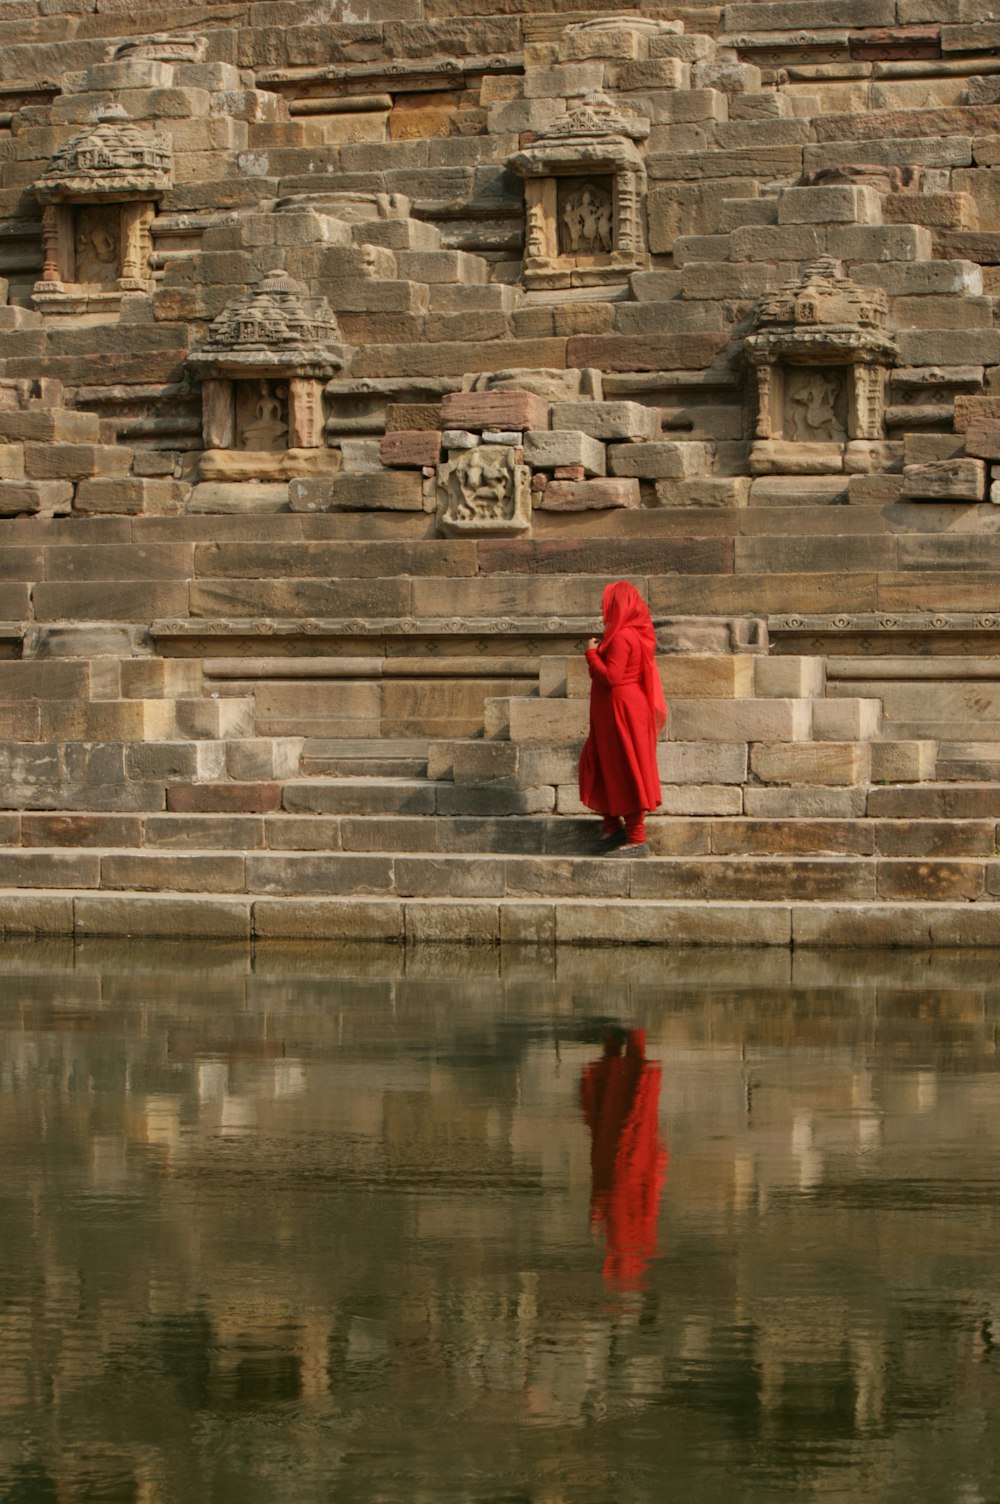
[698, 676]
[663, 460]
[701, 799]
[163, 914]
[846, 720]
[49, 426]
[830, 205]
[746, 720]
[224, 798]
[789, 677]
[949, 347]
[369, 919]
[443, 919]
[548, 720]
[498, 409]
[704, 491]
[392, 491]
[830, 763]
[945, 480]
[702, 762]
[644, 352]
[411, 449]
[804, 803]
[546, 449]
[19, 498]
[983, 440]
[588, 495]
[903, 762]
[930, 881]
[608, 420]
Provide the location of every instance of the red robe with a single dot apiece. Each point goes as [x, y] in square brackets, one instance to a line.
[618, 772]
[620, 1100]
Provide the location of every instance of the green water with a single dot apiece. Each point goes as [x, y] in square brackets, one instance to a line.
[367, 1225]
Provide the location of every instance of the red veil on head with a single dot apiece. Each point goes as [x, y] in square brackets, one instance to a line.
[622, 606]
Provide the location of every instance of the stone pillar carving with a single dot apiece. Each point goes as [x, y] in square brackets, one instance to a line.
[217, 416]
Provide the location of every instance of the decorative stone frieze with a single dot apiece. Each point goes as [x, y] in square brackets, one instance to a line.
[484, 492]
[583, 197]
[160, 47]
[262, 366]
[819, 355]
[99, 194]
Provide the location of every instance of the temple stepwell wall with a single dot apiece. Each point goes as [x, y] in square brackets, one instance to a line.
[346, 352]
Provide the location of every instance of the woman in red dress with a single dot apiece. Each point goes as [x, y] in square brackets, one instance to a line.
[618, 773]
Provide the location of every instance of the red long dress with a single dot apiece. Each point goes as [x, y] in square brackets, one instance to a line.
[620, 1100]
[618, 772]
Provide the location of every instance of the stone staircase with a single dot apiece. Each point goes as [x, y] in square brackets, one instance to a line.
[158, 792]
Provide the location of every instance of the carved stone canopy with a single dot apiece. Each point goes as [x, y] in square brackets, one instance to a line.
[275, 329]
[821, 316]
[113, 160]
[596, 132]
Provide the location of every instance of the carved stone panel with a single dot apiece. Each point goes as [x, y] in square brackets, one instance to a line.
[484, 492]
[97, 244]
[586, 216]
[262, 415]
[815, 404]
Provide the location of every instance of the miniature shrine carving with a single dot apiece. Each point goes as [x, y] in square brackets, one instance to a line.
[819, 356]
[583, 195]
[262, 365]
[99, 195]
[485, 492]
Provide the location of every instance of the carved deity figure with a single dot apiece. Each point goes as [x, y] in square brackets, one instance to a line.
[96, 245]
[486, 484]
[816, 402]
[261, 416]
[586, 221]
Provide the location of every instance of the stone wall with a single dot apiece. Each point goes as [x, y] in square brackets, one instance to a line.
[381, 344]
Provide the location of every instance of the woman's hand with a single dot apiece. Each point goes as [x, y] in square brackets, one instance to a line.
[593, 643]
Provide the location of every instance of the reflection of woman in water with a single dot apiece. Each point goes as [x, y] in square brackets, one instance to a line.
[620, 1095]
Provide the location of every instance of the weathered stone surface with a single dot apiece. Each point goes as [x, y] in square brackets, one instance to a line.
[946, 480]
[588, 495]
[495, 409]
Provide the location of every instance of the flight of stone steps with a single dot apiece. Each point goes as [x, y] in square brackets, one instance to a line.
[309, 733]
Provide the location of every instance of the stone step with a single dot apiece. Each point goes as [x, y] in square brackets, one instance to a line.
[347, 757]
[89, 913]
[743, 878]
[971, 762]
[130, 720]
[528, 835]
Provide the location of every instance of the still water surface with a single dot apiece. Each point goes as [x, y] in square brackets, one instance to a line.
[315, 1225]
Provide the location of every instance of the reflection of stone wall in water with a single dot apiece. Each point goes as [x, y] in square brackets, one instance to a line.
[97, 243]
[262, 415]
[586, 223]
[815, 403]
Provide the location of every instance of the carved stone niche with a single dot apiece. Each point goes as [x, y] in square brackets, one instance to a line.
[819, 357]
[584, 191]
[262, 366]
[484, 492]
[99, 195]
